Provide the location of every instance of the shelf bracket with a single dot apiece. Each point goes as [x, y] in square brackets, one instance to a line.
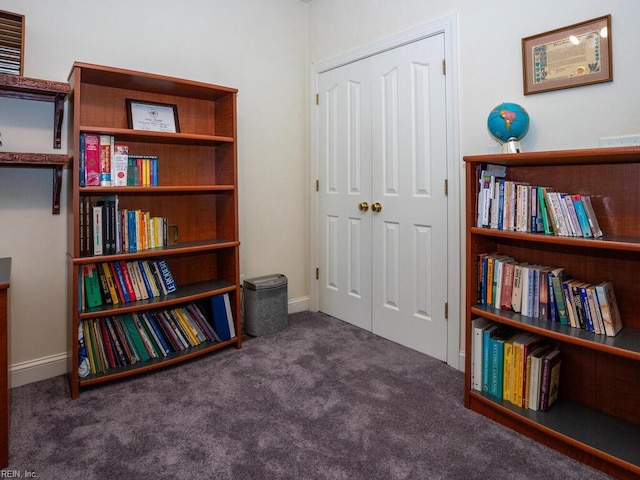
[58, 116]
[57, 185]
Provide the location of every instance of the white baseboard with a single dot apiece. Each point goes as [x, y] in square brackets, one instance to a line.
[300, 304]
[38, 369]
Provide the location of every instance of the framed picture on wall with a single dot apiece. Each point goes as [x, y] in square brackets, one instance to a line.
[567, 57]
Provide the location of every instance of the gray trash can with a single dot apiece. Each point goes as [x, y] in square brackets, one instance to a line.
[265, 304]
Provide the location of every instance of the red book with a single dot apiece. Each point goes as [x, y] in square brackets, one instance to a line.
[127, 281]
[92, 159]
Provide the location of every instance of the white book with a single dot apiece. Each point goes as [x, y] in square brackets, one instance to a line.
[98, 240]
[479, 325]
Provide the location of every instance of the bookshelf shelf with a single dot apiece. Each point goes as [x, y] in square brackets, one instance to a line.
[597, 416]
[196, 192]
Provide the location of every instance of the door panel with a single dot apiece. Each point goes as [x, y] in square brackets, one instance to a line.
[344, 152]
[382, 139]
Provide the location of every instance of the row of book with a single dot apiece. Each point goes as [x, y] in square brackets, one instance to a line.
[119, 282]
[547, 293]
[122, 340]
[106, 229]
[518, 206]
[518, 367]
[105, 163]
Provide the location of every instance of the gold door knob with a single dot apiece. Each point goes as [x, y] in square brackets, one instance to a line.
[376, 207]
[363, 206]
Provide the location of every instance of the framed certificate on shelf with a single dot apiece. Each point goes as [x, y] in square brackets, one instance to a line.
[153, 117]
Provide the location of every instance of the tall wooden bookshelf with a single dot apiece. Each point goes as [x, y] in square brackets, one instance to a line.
[597, 417]
[197, 192]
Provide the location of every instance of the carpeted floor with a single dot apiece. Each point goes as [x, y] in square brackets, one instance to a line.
[319, 400]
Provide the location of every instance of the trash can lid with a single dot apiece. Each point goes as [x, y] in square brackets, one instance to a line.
[266, 282]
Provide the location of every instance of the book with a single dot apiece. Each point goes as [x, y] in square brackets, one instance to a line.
[496, 374]
[609, 308]
[165, 275]
[478, 325]
[589, 324]
[550, 379]
[105, 293]
[96, 229]
[544, 212]
[522, 346]
[591, 216]
[596, 314]
[92, 159]
[581, 214]
[119, 165]
[92, 286]
[534, 372]
[105, 160]
[135, 336]
[219, 313]
[558, 296]
[229, 312]
[567, 296]
[508, 369]
[507, 285]
[516, 293]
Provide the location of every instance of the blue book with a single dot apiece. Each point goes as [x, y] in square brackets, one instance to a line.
[83, 161]
[486, 355]
[587, 311]
[166, 276]
[496, 344]
[581, 213]
[220, 322]
[132, 231]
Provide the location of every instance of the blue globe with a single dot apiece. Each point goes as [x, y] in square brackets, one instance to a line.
[508, 121]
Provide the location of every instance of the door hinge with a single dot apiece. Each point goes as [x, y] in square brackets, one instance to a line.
[446, 186]
[446, 310]
[317, 99]
[317, 273]
[444, 66]
[317, 185]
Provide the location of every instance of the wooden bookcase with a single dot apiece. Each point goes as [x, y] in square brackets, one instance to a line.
[5, 341]
[197, 192]
[597, 417]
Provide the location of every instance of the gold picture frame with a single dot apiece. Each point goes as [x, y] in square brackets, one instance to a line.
[567, 57]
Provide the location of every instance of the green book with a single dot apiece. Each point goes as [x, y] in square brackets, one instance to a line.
[92, 286]
[543, 211]
[135, 337]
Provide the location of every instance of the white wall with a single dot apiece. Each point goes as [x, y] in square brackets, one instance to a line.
[256, 46]
[490, 64]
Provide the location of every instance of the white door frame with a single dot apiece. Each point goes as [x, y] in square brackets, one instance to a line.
[447, 26]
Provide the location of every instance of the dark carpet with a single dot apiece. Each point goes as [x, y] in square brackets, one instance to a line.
[319, 400]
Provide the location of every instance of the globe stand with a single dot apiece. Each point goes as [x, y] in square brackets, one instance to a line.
[511, 146]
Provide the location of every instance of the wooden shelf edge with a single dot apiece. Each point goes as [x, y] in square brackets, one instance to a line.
[526, 423]
[560, 157]
[181, 248]
[160, 137]
[625, 344]
[630, 244]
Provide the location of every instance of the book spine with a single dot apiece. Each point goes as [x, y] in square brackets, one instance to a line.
[105, 160]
